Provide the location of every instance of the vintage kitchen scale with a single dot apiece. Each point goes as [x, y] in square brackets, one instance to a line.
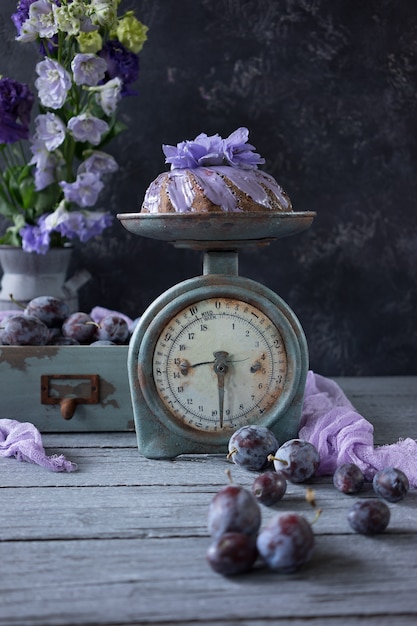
[218, 351]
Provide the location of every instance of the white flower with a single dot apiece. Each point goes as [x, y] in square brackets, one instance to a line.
[57, 217]
[68, 19]
[108, 95]
[104, 12]
[28, 32]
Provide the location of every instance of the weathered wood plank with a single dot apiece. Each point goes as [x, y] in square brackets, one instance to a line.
[147, 580]
[165, 511]
[123, 539]
[112, 467]
[389, 403]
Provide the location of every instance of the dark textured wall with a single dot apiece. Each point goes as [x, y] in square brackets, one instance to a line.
[328, 90]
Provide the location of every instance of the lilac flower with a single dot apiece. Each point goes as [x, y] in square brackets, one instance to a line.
[206, 151]
[45, 176]
[121, 63]
[35, 238]
[82, 225]
[16, 101]
[46, 164]
[86, 127]
[53, 83]
[108, 95]
[84, 191]
[41, 22]
[50, 130]
[98, 163]
[78, 90]
[41, 14]
[88, 69]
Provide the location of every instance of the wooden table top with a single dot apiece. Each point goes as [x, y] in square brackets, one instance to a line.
[123, 539]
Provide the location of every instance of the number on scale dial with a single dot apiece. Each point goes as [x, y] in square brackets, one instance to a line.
[219, 364]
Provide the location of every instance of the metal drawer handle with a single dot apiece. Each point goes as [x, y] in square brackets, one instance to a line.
[64, 390]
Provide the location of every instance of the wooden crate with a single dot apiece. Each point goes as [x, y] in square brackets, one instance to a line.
[41, 384]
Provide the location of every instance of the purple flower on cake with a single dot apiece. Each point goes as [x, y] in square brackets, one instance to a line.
[88, 61]
[239, 153]
[205, 151]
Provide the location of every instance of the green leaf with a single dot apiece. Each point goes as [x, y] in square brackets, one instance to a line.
[20, 183]
[115, 129]
[11, 237]
[46, 200]
[7, 208]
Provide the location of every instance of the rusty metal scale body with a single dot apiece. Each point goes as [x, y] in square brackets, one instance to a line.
[217, 351]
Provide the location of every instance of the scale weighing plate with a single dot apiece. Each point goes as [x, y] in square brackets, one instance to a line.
[207, 229]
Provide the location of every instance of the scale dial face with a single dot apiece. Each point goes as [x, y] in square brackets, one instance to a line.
[218, 364]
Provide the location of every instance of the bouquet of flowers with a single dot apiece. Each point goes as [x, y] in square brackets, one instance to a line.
[52, 174]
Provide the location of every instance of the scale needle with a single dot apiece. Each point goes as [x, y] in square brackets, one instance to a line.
[221, 368]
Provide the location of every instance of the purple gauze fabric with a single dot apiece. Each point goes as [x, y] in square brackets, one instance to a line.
[23, 441]
[341, 435]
